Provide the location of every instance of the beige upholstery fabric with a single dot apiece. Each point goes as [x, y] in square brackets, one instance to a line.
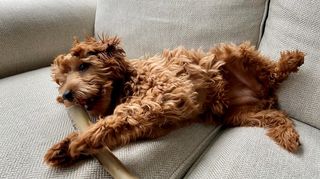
[249, 153]
[149, 26]
[31, 122]
[34, 32]
[294, 24]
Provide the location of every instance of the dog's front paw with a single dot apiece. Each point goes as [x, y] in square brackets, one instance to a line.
[59, 154]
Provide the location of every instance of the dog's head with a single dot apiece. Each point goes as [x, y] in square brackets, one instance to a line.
[87, 74]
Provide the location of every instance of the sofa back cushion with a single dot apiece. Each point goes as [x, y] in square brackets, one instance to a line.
[33, 32]
[150, 26]
[295, 24]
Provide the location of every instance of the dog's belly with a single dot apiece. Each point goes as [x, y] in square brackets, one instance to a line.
[241, 95]
[242, 87]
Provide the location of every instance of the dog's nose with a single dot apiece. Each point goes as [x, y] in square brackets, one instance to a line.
[67, 95]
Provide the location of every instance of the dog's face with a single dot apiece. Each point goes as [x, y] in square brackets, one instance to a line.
[86, 74]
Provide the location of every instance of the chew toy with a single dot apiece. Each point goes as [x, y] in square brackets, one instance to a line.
[110, 163]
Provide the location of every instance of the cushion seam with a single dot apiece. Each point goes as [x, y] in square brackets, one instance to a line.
[263, 21]
[202, 144]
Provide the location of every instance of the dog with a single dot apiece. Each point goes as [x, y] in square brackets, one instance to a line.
[232, 85]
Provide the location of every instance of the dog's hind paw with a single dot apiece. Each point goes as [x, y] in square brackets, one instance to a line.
[286, 137]
[291, 60]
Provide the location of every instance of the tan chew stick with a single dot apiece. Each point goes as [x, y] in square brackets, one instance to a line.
[110, 163]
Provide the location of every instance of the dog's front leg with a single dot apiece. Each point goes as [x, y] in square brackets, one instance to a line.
[112, 131]
[136, 119]
[127, 124]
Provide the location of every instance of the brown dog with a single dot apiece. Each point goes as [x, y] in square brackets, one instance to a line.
[135, 99]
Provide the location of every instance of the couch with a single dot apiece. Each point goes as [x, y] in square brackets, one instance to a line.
[32, 33]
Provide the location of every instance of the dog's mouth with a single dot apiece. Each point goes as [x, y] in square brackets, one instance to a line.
[95, 104]
[90, 103]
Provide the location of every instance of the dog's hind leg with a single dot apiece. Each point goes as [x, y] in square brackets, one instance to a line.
[245, 61]
[289, 62]
[279, 126]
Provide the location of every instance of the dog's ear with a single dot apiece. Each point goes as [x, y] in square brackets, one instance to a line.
[58, 69]
[113, 56]
[113, 48]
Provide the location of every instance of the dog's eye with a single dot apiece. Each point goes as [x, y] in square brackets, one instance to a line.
[83, 67]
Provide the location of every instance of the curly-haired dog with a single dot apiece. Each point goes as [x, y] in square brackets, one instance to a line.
[148, 98]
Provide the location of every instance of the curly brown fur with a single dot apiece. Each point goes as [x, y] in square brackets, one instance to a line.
[148, 98]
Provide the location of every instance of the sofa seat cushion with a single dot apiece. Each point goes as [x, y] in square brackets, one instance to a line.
[295, 24]
[249, 153]
[150, 26]
[31, 122]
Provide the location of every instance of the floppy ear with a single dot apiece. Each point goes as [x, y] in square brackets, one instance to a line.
[58, 69]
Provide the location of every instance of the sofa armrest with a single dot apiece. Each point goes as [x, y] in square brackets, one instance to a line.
[33, 32]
